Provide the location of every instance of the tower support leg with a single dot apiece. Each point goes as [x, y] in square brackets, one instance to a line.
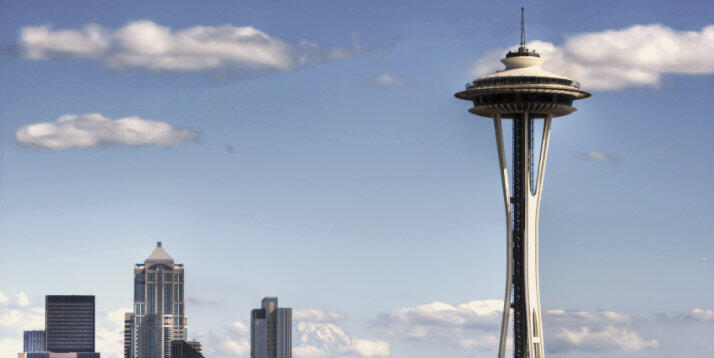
[522, 212]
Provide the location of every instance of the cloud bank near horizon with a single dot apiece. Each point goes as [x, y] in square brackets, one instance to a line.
[316, 334]
[615, 59]
[149, 46]
[475, 325]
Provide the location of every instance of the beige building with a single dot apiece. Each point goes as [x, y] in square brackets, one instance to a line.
[158, 316]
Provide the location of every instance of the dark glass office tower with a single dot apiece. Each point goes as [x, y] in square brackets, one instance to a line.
[69, 323]
[33, 341]
[182, 349]
[271, 330]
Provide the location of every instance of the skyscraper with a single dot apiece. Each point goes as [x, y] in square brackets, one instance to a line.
[33, 341]
[524, 93]
[271, 330]
[69, 323]
[158, 316]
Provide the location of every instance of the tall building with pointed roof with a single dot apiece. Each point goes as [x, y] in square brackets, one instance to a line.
[158, 317]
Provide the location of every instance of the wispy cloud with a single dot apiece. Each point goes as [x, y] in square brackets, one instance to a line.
[387, 79]
[596, 156]
[193, 301]
[93, 129]
[694, 315]
[594, 332]
[150, 46]
[317, 315]
[614, 59]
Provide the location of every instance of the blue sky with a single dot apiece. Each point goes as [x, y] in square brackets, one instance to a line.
[335, 190]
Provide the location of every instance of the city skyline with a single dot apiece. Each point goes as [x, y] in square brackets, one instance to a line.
[337, 172]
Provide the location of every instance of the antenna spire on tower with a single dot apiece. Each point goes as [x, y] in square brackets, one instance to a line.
[523, 28]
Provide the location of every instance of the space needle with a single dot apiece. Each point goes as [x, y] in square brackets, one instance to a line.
[523, 93]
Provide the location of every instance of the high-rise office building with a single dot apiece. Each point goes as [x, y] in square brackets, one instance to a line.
[271, 330]
[158, 316]
[33, 341]
[183, 349]
[69, 323]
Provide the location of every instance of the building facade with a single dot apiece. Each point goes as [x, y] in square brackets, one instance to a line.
[33, 341]
[183, 349]
[69, 323]
[59, 355]
[196, 345]
[271, 330]
[158, 317]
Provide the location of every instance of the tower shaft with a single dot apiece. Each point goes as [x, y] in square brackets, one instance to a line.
[522, 210]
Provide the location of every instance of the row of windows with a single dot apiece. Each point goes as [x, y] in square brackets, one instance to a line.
[489, 81]
[158, 276]
[523, 97]
[177, 309]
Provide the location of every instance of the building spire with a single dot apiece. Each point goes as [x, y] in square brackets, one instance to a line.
[523, 28]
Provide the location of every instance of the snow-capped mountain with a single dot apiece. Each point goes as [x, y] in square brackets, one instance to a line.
[325, 337]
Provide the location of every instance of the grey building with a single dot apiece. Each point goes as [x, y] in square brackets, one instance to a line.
[128, 336]
[182, 349]
[271, 330]
[33, 341]
[69, 323]
[158, 313]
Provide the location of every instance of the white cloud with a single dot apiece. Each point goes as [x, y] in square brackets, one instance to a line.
[18, 313]
[93, 129]
[110, 338]
[110, 342]
[701, 315]
[9, 347]
[606, 339]
[482, 343]
[475, 325]
[147, 45]
[22, 300]
[233, 341]
[593, 331]
[387, 79]
[615, 59]
[596, 156]
[317, 315]
[366, 348]
[479, 313]
[237, 329]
